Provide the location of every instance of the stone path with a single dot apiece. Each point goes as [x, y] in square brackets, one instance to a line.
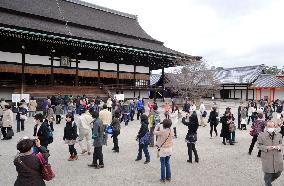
[219, 165]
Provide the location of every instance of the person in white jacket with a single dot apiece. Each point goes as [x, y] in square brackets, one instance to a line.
[174, 118]
[203, 113]
[7, 122]
[85, 131]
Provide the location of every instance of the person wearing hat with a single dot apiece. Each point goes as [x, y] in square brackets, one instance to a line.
[27, 164]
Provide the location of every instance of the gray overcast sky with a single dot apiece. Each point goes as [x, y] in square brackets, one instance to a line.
[226, 33]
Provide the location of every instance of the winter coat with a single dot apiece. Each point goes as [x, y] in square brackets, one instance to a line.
[140, 105]
[116, 125]
[272, 160]
[58, 110]
[143, 129]
[42, 133]
[213, 118]
[70, 131]
[7, 118]
[20, 111]
[32, 105]
[225, 132]
[191, 125]
[25, 176]
[164, 140]
[186, 107]
[105, 116]
[279, 108]
[257, 127]
[98, 131]
[85, 122]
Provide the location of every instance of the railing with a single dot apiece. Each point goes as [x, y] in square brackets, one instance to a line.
[124, 87]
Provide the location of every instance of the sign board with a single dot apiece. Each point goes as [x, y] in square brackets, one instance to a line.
[65, 61]
[18, 97]
[119, 97]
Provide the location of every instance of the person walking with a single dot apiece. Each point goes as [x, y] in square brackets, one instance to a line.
[256, 128]
[125, 113]
[191, 121]
[213, 120]
[243, 117]
[32, 107]
[167, 110]
[143, 139]
[109, 104]
[7, 123]
[98, 137]
[116, 131]
[270, 144]
[58, 111]
[140, 108]
[21, 117]
[84, 124]
[165, 143]
[50, 117]
[70, 136]
[203, 114]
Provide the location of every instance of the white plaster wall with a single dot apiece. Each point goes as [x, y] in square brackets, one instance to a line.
[279, 94]
[35, 59]
[108, 66]
[126, 68]
[11, 57]
[88, 64]
[142, 69]
[56, 63]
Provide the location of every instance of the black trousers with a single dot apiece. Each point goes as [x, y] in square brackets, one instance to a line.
[215, 129]
[72, 150]
[253, 141]
[98, 155]
[115, 142]
[58, 119]
[20, 125]
[139, 113]
[51, 126]
[109, 109]
[190, 148]
[175, 131]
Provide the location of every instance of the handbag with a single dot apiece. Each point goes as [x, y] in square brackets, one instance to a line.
[159, 148]
[9, 133]
[23, 117]
[191, 137]
[46, 171]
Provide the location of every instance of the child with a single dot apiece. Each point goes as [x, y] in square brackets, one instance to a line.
[58, 112]
[70, 136]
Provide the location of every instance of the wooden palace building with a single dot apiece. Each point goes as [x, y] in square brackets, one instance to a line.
[73, 47]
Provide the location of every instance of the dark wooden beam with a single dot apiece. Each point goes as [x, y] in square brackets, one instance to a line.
[163, 84]
[51, 69]
[247, 92]
[117, 73]
[77, 72]
[99, 72]
[23, 70]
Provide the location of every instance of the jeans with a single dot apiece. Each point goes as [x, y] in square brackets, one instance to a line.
[233, 136]
[165, 168]
[145, 150]
[190, 148]
[215, 129]
[253, 141]
[126, 118]
[72, 150]
[270, 177]
[20, 125]
[98, 155]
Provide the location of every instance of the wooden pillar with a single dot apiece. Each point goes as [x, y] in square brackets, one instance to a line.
[23, 70]
[134, 77]
[99, 72]
[117, 74]
[77, 72]
[256, 94]
[252, 94]
[51, 69]
[241, 93]
[247, 93]
[163, 83]
[234, 91]
[260, 91]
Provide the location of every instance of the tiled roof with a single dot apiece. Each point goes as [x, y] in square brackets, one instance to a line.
[268, 81]
[239, 75]
[154, 78]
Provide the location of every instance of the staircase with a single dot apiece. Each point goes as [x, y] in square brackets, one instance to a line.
[43, 91]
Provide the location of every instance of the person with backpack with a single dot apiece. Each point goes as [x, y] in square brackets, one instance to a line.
[165, 148]
[191, 121]
[70, 136]
[154, 119]
[143, 139]
[98, 137]
[256, 128]
[42, 131]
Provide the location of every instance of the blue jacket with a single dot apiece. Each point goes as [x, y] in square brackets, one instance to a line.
[139, 105]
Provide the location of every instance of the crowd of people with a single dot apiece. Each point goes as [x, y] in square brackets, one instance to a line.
[97, 119]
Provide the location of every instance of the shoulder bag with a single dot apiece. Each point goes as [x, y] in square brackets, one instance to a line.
[159, 148]
[46, 171]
